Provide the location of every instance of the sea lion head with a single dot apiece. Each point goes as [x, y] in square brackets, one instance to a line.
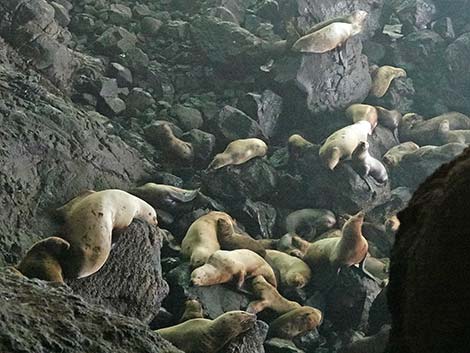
[165, 131]
[52, 245]
[220, 160]
[354, 224]
[358, 19]
[392, 224]
[409, 120]
[444, 126]
[296, 280]
[148, 214]
[305, 319]
[224, 228]
[239, 321]
[204, 275]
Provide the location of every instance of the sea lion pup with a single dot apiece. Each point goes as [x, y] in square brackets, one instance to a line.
[269, 298]
[455, 136]
[359, 112]
[372, 344]
[310, 221]
[174, 146]
[388, 118]
[193, 310]
[293, 272]
[164, 196]
[364, 164]
[200, 241]
[239, 152]
[349, 249]
[89, 223]
[295, 322]
[395, 154]
[382, 78]
[231, 240]
[297, 145]
[208, 336]
[341, 144]
[331, 34]
[43, 260]
[223, 266]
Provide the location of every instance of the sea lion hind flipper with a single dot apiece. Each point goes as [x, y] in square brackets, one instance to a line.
[184, 195]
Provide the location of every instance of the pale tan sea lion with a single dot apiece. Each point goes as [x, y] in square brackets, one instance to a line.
[193, 310]
[239, 152]
[297, 145]
[452, 136]
[208, 336]
[164, 196]
[293, 272]
[89, 223]
[341, 144]
[200, 241]
[269, 298]
[331, 34]
[364, 164]
[223, 266]
[229, 239]
[43, 260]
[395, 154]
[359, 112]
[295, 322]
[173, 146]
[383, 77]
[310, 221]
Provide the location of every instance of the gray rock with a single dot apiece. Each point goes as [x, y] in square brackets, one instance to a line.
[269, 108]
[233, 124]
[379, 313]
[279, 345]
[203, 144]
[83, 23]
[455, 56]
[115, 41]
[61, 14]
[188, 118]
[415, 14]
[51, 317]
[141, 11]
[150, 26]
[119, 14]
[139, 100]
[444, 27]
[250, 341]
[259, 218]
[122, 74]
[135, 59]
[176, 30]
[135, 257]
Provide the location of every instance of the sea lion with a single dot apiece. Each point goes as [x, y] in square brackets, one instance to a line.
[295, 322]
[208, 336]
[270, 298]
[379, 268]
[421, 131]
[89, 223]
[382, 78]
[345, 251]
[293, 272]
[172, 145]
[310, 222]
[364, 164]
[392, 224]
[297, 145]
[239, 152]
[164, 196]
[193, 310]
[43, 260]
[388, 118]
[341, 144]
[452, 136]
[359, 112]
[331, 34]
[229, 239]
[394, 155]
[200, 240]
[223, 266]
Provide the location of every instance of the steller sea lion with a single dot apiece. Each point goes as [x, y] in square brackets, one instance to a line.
[200, 240]
[270, 298]
[382, 78]
[192, 310]
[364, 164]
[293, 272]
[89, 222]
[341, 144]
[164, 196]
[394, 155]
[331, 34]
[43, 260]
[388, 118]
[173, 146]
[310, 222]
[239, 152]
[297, 145]
[223, 266]
[229, 239]
[452, 136]
[295, 322]
[208, 336]
[359, 112]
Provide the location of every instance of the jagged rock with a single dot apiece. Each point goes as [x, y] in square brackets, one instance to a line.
[279, 345]
[150, 26]
[115, 41]
[139, 100]
[250, 341]
[83, 23]
[215, 299]
[400, 96]
[455, 56]
[119, 14]
[136, 258]
[444, 27]
[122, 74]
[259, 218]
[430, 249]
[415, 14]
[268, 109]
[379, 314]
[233, 124]
[109, 103]
[309, 341]
[188, 118]
[203, 144]
[141, 10]
[61, 14]
[176, 30]
[42, 317]
[135, 59]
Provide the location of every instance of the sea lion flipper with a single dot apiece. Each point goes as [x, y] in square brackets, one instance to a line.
[184, 195]
[323, 24]
[256, 306]
[362, 267]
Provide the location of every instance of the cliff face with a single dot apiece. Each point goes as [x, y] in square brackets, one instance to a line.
[429, 286]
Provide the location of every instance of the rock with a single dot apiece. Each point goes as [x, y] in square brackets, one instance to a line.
[139, 100]
[432, 225]
[444, 27]
[379, 313]
[109, 103]
[233, 124]
[188, 118]
[416, 14]
[122, 74]
[224, 14]
[269, 108]
[250, 341]
[38, 309]
[455, 55]
[135, 59]
[61, 14]
[135, 257]
[279, 345]
[215, 299]
[141, 10]
[400, 96]
[150, 26]
[115, 41]
[119, 14]
[259, 218]
[203, 144]
[176, 30]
